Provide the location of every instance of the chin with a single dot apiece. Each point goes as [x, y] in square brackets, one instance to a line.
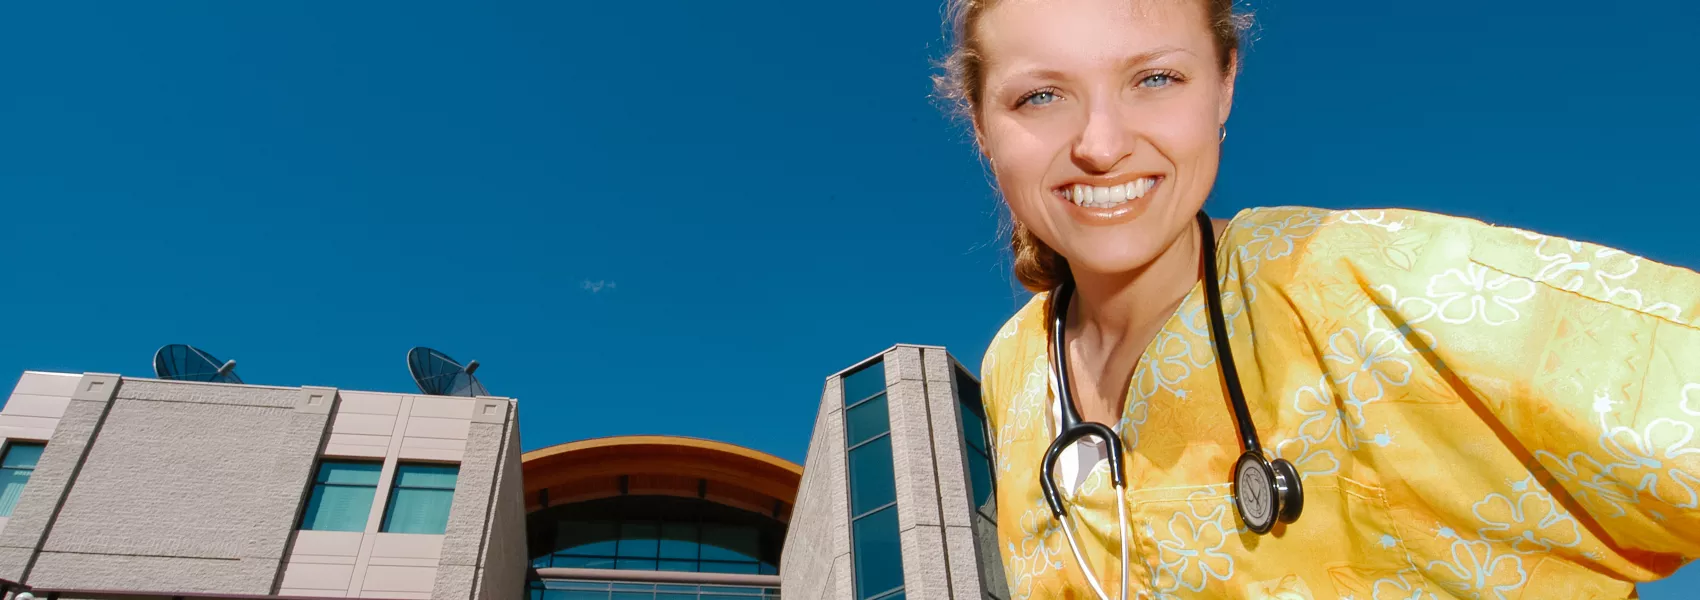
[1113, 260]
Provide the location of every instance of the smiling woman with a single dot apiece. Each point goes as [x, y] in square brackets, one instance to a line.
[1451, 409]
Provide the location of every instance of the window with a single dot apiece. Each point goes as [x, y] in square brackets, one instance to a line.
[342, 496]
[574, 589]
[976, 446]
[420, 499]
[15, 469]
[657, 533]
[660, 545]
[873, 485]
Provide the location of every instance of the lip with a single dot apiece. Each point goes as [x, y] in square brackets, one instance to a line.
[1108, 180]
[1113, 215]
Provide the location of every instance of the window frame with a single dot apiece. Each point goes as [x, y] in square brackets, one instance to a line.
[396, 488]
[852, 480]
[6, 453]
[978, 409]
[315, 484]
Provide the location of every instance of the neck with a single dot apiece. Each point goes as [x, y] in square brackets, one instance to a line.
[1111, 307]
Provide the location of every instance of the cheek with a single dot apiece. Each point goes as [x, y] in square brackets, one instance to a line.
[1185, 136]
[1021, 159]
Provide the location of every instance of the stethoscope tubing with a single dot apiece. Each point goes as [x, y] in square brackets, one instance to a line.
[1071, 429]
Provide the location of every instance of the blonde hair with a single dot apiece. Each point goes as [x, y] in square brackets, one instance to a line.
[1037, 266]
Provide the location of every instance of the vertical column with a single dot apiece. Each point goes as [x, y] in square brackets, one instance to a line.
[956, 489]
[44, 495]
[502, 576]
[380, 499]
[926, 564]
[461, 564]
[838, 490]
[291, 470]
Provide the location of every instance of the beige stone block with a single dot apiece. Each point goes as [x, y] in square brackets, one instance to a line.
[358, 439]
[902, 363]
[34, 405]
[22, 422]
[367, 403]
[327, 543]
[347, 451]
[360, 424]
[442, 407]
[313, 559]
[924, 570]
[318, 576]
[964, 561]
[407, 545]
[47, 384]
[912, 456]
[381, 578]
[953, 483]
[432, 455]
[34, 434]
[937, 363]
[431, 427]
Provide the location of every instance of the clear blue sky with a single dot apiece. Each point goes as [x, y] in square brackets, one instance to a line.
[764, 188]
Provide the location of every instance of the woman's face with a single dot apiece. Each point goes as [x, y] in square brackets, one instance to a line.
[1101, 120]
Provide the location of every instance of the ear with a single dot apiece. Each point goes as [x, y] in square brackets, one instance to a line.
[979, 137]
[1228, 79]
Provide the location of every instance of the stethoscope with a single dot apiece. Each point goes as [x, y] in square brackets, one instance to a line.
[1264, 491]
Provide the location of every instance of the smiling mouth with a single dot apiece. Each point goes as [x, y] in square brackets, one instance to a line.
[1092, 196]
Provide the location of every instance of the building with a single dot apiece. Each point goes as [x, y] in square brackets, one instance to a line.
[120, 487]
[656, 517]
[124, 487]
[896, 498]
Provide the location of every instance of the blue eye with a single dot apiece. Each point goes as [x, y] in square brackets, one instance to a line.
[1039, 98]
[1156, 81]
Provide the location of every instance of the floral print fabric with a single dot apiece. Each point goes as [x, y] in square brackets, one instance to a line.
[1475, 411]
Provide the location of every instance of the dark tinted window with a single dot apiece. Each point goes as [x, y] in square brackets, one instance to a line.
[879, 556]
[655, 533]
[866, 420]
[866, 382]
[976, 445]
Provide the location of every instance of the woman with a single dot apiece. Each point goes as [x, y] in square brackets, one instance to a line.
[1468, 411]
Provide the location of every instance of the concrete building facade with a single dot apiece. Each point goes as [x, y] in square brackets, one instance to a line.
[896, 499]
[124, 487]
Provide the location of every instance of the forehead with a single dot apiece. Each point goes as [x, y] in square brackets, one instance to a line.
[1060, 34]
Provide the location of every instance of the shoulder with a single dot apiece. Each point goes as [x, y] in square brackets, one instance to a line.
[1012, 349]
[1282, 244]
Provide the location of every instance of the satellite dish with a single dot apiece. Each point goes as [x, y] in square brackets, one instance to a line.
[438, 375]
[182, 362]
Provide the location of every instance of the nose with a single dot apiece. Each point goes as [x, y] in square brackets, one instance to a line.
[1105, 140]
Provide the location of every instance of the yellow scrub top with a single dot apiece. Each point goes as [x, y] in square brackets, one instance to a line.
[1475, 412]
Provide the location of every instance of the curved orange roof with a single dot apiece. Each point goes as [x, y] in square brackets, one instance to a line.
[730, 473]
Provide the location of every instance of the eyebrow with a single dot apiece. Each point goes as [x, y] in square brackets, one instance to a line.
[1154, 54]
[1053, 75]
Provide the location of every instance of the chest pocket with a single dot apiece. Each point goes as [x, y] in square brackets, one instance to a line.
[1344, 544]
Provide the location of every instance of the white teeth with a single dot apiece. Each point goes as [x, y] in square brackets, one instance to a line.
[1104, 197]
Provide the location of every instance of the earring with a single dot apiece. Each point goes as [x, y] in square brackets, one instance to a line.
[1224, 130]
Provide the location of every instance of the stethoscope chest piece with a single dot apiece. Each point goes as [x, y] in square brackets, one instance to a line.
[1266, 492]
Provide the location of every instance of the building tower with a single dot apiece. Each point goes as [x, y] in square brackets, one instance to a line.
[896, 499]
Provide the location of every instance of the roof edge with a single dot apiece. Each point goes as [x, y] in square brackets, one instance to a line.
[663, 440]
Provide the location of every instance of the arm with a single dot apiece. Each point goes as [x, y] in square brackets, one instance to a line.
[1586, 357]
